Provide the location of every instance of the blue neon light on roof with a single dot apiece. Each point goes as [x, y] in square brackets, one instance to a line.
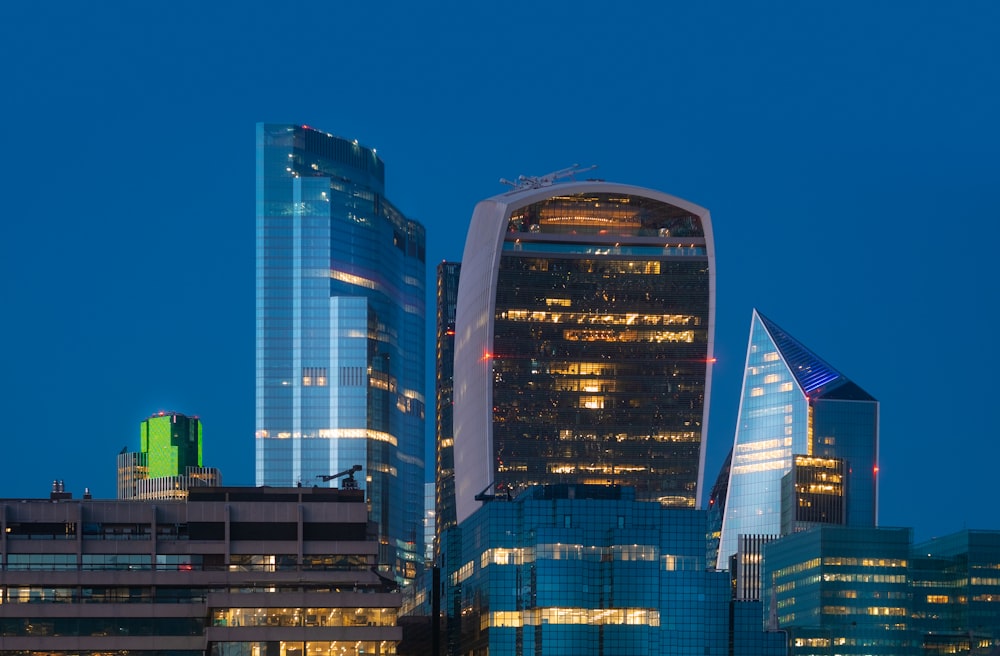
[811, 371]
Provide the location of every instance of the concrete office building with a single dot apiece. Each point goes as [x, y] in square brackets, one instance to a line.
[229, 572]
[583, 342]
[340, 331]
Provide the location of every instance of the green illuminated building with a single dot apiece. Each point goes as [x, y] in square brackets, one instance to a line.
[171, 442]
[168, 461]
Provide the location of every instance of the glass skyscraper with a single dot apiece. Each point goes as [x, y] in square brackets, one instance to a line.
[583, 342]
[447, 303]
[796, 408]
[340, 330]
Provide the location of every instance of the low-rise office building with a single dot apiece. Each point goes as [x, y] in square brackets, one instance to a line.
[229, 572]
[956, 593]
[867, 591]
[587, 570]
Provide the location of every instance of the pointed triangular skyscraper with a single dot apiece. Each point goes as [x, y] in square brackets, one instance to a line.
[795, 404]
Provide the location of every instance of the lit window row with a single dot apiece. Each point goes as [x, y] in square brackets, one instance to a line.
[464, 572]
[878, 611]
[352, 279]
[558, 551]
[314, 376]
[762, 467]
[838, 561]
[762, 445]
[556, 468]
[304, 617]
[684, 436]
[796, 568]
[774, 454]
[581, 368]
[606, 319]
[987, 597]
[592, 616]
[866, 578]
[299, 648]
[657, 336]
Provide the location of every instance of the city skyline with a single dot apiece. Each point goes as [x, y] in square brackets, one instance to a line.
[836, 149]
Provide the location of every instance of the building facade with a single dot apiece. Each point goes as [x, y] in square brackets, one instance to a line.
[589, 571]
[169, 460]
[814, 491]
[583, 342]
[447, 302]
[229, 572]
[956, 593]
[340, 330]
[843, 590]
[795, 405]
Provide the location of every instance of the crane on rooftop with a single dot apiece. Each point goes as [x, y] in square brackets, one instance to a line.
[348, 483]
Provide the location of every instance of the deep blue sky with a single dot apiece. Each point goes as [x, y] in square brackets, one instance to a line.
[848, 153]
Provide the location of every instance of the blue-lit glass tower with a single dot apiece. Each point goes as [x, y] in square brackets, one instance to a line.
[586, 570]
[795, 404]
[340, 330]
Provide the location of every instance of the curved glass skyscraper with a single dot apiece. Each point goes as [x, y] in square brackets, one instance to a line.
[583, 343]
[340, 330]
[797, 411]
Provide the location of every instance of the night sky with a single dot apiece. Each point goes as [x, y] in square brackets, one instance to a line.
[848, 153]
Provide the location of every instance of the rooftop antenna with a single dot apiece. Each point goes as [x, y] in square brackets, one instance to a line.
[547, 180]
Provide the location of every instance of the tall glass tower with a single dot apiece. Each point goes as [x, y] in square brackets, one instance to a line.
[447, 303]
[797, 410]
[340, 331]
[583, 342]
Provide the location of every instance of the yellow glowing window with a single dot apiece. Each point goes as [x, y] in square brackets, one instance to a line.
[938, 599]
[786, 387]
[757, 391]
[772, 378]
[351, 279]
[771, 357]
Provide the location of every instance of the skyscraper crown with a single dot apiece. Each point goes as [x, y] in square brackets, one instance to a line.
[811, 372]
